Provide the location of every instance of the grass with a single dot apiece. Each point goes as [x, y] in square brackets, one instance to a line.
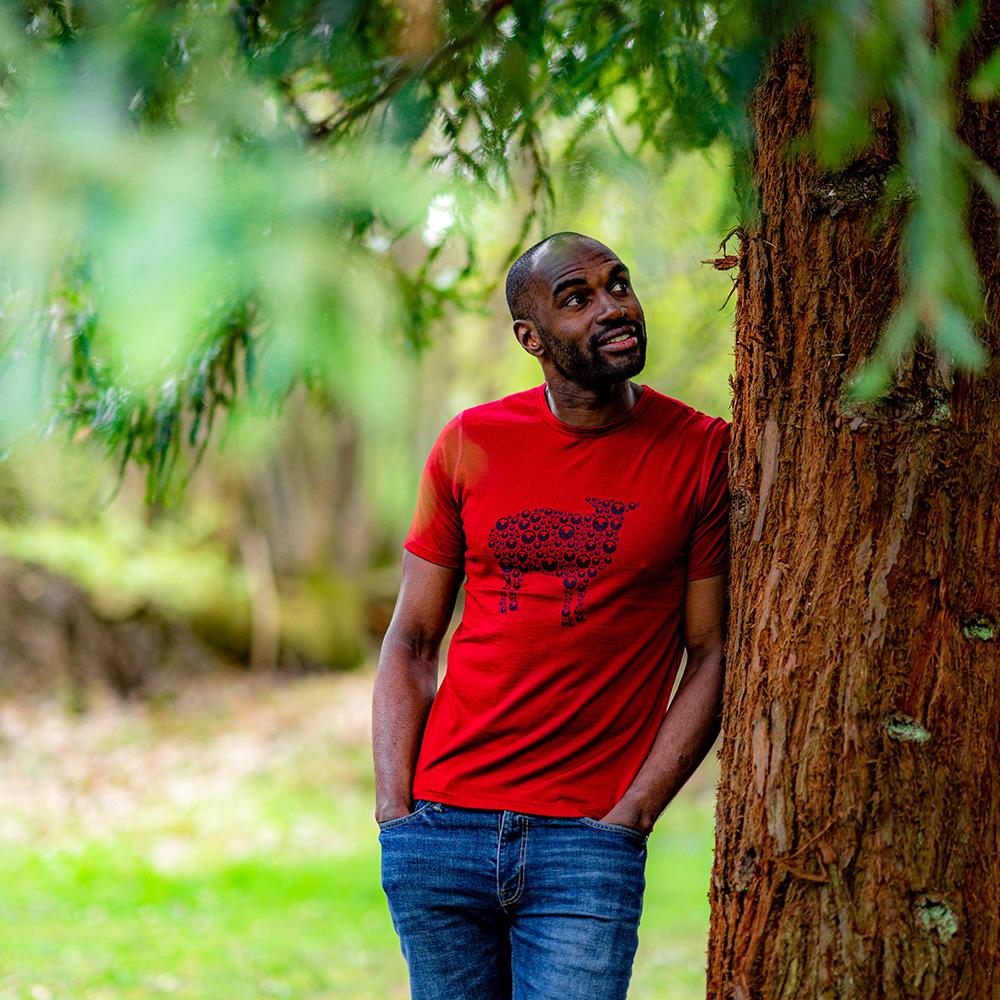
[223, 847]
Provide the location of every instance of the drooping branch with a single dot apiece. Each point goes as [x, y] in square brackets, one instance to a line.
[405, 71]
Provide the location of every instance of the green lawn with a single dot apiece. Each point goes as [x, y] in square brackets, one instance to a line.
[205, 883]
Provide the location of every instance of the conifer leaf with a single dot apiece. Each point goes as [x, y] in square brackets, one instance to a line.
[985, 85]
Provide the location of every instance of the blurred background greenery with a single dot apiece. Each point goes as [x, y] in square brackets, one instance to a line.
[283, 547]
[250, 262]
[184, 762]
[213, 837]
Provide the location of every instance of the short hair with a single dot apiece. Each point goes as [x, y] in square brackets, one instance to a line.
[518, 287]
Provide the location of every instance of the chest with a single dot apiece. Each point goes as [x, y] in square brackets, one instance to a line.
[580, 512]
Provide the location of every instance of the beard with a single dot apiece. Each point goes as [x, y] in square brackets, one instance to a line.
[588, 365]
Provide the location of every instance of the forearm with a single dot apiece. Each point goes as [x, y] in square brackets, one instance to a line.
[405, 685]
[685, 736]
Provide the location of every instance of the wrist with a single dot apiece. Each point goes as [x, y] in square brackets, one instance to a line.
[392, 808]
[392, 805]
[633, 813]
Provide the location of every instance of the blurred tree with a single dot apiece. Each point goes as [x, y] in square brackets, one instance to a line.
[205, 196]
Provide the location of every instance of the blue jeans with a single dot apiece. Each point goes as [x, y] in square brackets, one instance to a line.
[498, 905]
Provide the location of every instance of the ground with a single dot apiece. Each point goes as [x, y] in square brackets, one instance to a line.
[220, 846]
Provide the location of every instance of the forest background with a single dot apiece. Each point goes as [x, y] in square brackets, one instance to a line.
[252, 256]
[186, 658]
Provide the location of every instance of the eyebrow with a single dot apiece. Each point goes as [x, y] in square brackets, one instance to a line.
[563, 286]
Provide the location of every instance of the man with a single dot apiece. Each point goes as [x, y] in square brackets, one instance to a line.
[589, 517]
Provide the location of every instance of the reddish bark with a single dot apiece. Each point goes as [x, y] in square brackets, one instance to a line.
[858, 824]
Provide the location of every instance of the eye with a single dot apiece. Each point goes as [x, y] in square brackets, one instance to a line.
[621, 283]
[574, 299]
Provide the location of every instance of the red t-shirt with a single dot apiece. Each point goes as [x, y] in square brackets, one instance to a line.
[576, 543]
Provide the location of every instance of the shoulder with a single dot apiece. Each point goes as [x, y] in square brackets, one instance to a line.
[516, 408]
[674, 416]
[517, 404]
[482, 423]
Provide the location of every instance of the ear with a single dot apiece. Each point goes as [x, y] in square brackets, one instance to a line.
[526, 334]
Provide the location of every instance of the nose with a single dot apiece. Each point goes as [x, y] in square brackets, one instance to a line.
[611, 309]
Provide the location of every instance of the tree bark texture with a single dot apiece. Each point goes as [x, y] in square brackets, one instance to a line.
[858, 818]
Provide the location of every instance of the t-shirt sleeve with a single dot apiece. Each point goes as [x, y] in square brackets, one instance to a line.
[708, 554]
[436, 533]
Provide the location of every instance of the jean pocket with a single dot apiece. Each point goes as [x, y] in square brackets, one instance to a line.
[422, 807]
[625, 831]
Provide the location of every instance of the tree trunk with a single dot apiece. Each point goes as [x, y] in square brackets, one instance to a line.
[858, 823]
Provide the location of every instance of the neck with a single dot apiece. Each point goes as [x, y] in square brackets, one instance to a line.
[584, 407]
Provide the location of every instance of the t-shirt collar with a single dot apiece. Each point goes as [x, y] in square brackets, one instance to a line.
[575, 430]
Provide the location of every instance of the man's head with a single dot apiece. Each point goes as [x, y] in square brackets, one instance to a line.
[574, 309]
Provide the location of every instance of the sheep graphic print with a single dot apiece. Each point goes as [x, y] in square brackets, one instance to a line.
[571, 545]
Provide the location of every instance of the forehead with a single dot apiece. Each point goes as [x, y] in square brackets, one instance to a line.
[563, 259]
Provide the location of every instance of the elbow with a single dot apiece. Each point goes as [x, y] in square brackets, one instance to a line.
[708, 658]
[417, 646]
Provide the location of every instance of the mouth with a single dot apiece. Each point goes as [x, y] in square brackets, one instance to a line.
[623, 339]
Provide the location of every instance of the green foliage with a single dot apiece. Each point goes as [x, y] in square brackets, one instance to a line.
[124, 567]
[184, 574]
[985, 85]
[206, 199]
[880, 56]
[322, 620]
[168, 240]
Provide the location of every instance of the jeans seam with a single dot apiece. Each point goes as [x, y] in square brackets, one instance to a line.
[519, 889]
[500, 817]
[518, 892]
